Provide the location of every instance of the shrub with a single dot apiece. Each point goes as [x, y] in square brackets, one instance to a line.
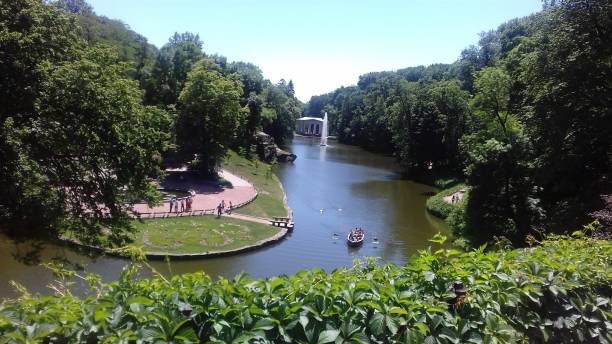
[436, 204]
[558, 292]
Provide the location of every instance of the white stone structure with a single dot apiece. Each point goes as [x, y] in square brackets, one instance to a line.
[309, 126]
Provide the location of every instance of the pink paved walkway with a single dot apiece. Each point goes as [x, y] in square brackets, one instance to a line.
[208, 194]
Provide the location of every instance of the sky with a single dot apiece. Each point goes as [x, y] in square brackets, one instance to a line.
[321, 44]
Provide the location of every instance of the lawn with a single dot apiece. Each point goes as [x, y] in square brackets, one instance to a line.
[198, 234]
[436, 204]
[269, 202]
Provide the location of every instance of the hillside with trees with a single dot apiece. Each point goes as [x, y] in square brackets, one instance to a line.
[524, 117]
[90, 113]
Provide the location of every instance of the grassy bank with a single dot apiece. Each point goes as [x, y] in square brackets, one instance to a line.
[558, 292]
[198, 234]
[187, 235]
[436, 204]
[270, 198]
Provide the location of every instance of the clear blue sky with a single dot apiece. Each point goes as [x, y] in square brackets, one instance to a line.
[321, 44]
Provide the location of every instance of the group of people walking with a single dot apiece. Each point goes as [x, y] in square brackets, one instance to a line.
[181, 205]
[184, 205]
[222, 208]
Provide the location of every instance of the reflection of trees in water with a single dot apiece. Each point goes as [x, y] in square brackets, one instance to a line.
[404, 226]
[27, 252]
[337, 152]
[32, 252]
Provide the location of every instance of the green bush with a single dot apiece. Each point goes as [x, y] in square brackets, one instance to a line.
[445, 183]
[440, 208]
[557, 292]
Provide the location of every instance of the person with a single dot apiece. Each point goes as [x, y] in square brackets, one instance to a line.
[219, 210]
[459, 302]
[182, 205]
[229, 209]
[222, 204]
[188, 201]
[171, 203]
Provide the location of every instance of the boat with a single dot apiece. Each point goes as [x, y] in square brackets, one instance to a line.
[355, 237]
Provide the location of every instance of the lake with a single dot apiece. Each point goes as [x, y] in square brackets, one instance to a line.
[330, 190]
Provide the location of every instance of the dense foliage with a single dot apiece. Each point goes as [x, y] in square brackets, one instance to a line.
[524, 117]
[89, 112]
[76, 142]
[558, 292]
[209, 116]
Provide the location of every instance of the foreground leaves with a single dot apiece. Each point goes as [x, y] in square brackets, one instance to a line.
[557, 292]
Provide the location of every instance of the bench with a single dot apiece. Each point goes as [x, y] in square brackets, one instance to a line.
[286, 224]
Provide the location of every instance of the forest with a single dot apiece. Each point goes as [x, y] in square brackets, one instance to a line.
[524, 118]
[91, 113]
[96, 112]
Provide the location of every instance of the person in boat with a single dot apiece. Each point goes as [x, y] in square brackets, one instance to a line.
[356, 234]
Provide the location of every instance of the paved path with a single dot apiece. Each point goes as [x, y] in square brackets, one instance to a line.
[207, 193]
[248, 218]
[458, 196]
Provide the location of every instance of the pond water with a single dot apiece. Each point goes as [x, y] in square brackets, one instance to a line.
[330, 190]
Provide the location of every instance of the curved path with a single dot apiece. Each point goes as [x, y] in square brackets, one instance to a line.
[207, 194]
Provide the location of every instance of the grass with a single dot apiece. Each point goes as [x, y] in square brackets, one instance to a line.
[270, 200]
[198, 234]
[436, 204]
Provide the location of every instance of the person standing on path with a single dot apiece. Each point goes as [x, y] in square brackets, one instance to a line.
[229, 209]
[219, 210]
[171, 203]
[182, 205]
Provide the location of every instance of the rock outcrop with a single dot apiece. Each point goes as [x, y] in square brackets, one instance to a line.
[267, 150]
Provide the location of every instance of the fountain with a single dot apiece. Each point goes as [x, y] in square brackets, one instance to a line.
[324, 131]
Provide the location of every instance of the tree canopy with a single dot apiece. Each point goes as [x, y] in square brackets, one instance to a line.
[209, 115]
[523, 116]
[77, 144]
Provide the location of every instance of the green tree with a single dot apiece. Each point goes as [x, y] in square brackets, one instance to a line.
[280, 110]
[253, 83]
[32, 33]
[498, 165]
[173, 63]
[209, 114]
[429, 119]
[76, 144]
[566, 73]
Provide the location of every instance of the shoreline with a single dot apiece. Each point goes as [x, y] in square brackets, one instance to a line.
[281, 234]
[185, 256]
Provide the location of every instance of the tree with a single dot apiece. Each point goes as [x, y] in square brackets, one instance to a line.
[291, 88]
[99, 145]
[32, 33]
[429, 120]
[567, 100]
[209, 114]
[498, 166]
[280, 110]
[173, 63]
[253, 83]
[76, 144]
[75, 6]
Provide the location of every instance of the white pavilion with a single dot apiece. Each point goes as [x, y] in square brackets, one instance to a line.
[309, 126]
